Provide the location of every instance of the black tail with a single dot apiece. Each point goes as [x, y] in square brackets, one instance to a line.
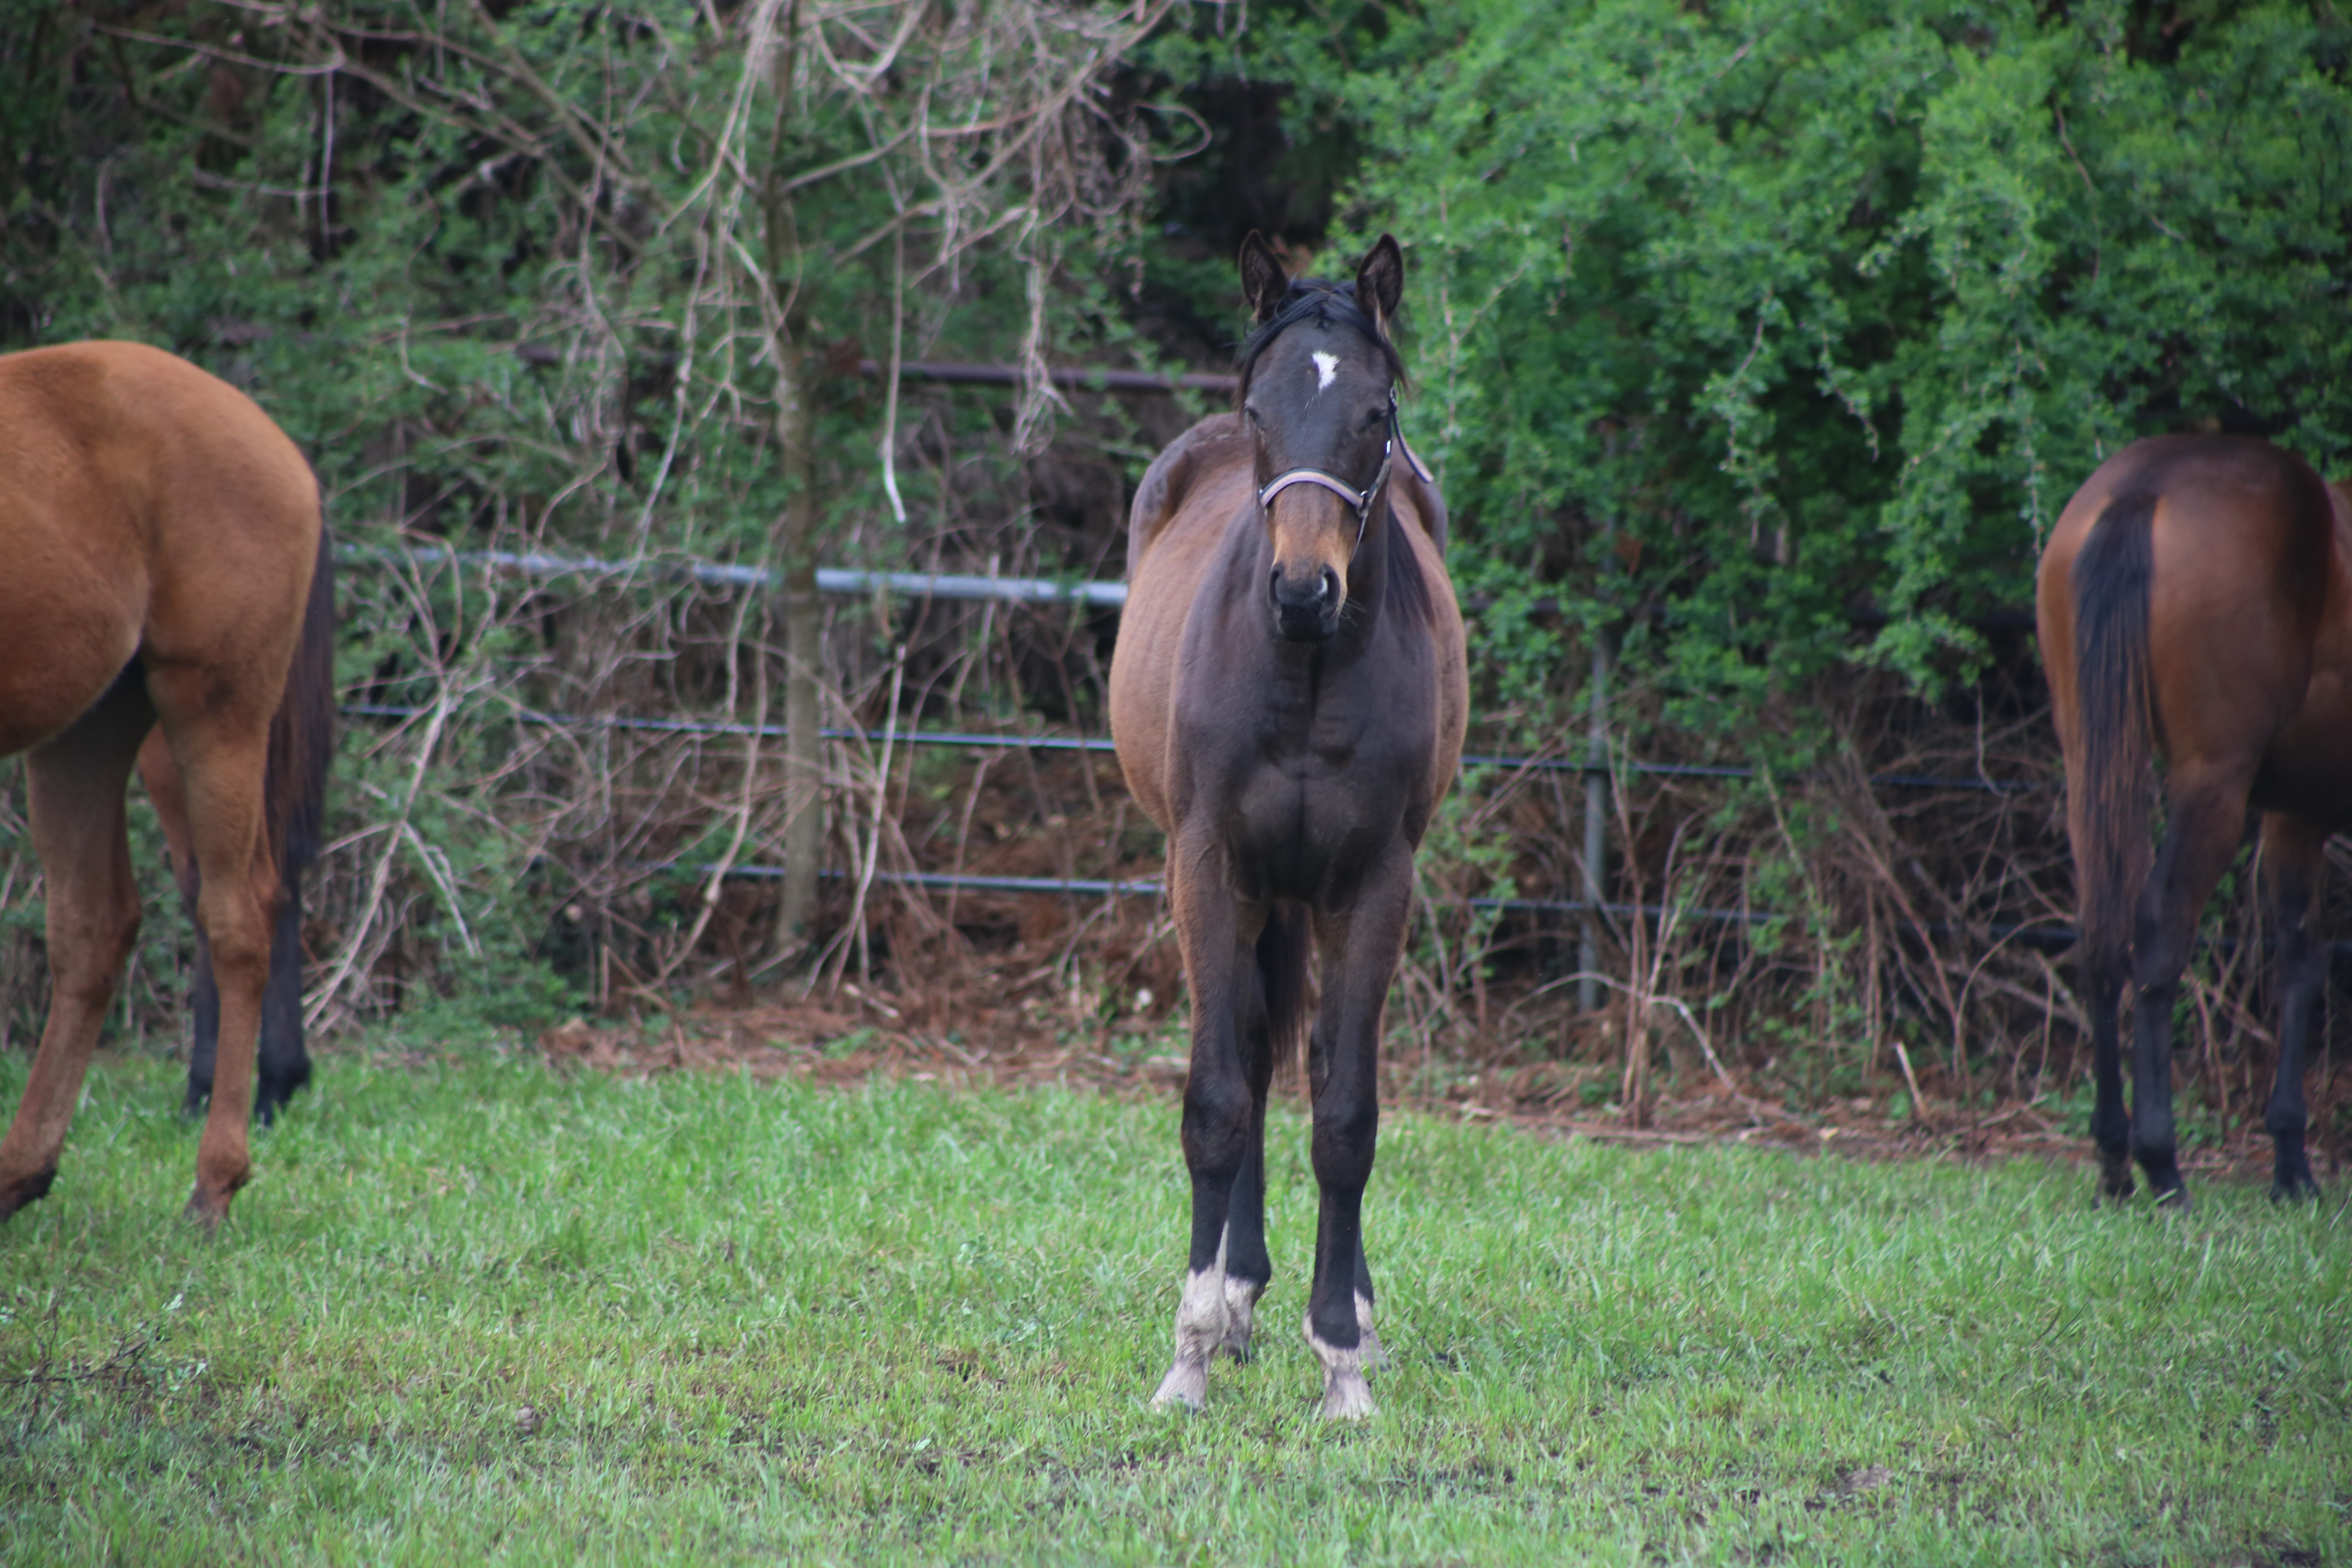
[1282, 957]
[302, 733]
[2107, 807]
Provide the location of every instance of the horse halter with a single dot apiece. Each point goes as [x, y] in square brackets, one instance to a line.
[1361, 500]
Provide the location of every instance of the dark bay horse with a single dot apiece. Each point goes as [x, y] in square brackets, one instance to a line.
[1288, 696]
[2196, 601]
[164, 571]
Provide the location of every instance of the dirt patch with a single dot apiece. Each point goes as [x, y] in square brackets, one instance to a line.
[1026, 1035]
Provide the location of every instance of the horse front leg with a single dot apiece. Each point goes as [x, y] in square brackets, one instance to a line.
[2293, 861]
[1248, 1265]
[80, 833]
[1217, 1121]
[1360, 944]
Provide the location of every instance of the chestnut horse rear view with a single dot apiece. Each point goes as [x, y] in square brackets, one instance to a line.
[2196, 599]
[1289, 697]
[162, 569]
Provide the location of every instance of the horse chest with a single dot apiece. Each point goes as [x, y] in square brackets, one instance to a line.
[1303, 807]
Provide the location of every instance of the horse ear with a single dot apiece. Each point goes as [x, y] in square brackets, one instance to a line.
[1380, 280]
[1264, 282]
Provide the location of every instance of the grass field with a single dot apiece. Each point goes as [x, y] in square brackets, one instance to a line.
[479, 1311]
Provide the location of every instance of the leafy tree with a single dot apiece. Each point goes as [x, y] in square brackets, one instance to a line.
[1742, 318]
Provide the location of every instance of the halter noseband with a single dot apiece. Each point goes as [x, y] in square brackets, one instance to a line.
[1359, 500]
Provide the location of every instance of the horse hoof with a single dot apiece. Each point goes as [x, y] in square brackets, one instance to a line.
[2114, 1178]
[2172, 1198]
[1186, 1387]
[15, 1194]
[206, 1210]
[2298, 1189]
[1347, 1397]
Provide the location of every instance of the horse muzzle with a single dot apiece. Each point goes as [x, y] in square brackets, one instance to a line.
[1307, 604]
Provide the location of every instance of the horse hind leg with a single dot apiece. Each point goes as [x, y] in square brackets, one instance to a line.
[81, 833]
[162, 777]
[2292, 862]
[220, 749]
[284, 1065]
[2207, 820]
[2103, 990]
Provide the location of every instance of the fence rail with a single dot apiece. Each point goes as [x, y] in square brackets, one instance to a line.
[969, 586]
[965, 585]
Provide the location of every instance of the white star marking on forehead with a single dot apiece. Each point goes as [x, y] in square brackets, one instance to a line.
[1327, 365]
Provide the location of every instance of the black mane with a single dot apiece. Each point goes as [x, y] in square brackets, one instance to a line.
[1408, 589]
[1327, 304]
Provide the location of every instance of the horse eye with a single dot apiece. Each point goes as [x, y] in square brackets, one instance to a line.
[1252, 416]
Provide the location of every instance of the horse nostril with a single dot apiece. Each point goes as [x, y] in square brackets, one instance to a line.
[1274, 585]
[1327, 585]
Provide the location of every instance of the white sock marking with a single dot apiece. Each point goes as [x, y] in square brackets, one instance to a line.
[1346, 1396]
[1201, 1323]
[1326, 368]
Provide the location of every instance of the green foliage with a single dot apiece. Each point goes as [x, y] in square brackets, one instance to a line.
[1790, 310]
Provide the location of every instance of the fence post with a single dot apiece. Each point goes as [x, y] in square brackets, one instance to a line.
[1596, 825]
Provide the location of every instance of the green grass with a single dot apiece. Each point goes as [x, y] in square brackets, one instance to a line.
[897, 1324]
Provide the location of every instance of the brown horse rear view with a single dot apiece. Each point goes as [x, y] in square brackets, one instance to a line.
[1289, 699]
[2196, 599]
[162, 564]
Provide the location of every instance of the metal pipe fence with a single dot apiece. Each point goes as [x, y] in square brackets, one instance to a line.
[972, 586]
[1033, 590]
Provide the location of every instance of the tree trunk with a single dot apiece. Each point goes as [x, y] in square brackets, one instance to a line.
[794, 542]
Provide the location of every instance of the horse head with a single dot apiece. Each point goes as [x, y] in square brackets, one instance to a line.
[1319, 391]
